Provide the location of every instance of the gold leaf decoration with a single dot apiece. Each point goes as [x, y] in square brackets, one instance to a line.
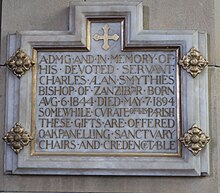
[17, 138]
[19, 63]
[193, 62]
[194, 139]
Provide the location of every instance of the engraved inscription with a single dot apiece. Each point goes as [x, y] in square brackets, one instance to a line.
[107, 102]
[126, 102]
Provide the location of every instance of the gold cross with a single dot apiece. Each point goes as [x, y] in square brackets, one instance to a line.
[106, 37]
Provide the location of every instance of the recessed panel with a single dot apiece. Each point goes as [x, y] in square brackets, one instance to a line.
[107, 101]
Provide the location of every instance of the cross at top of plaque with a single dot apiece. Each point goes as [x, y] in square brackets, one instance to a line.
[105, 37]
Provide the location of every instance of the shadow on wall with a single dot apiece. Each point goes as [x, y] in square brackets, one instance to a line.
[146, 17]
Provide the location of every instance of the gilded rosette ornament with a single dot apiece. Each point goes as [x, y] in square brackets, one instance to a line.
[17, 138]
[194, 139]
[19, 63]
[193, 62]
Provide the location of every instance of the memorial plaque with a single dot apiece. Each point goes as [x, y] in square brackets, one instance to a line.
[107, 101]
[107, 98]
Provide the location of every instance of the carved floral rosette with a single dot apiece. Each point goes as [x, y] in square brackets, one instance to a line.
[19, 63]
[17, 138]
[194, 139]
[193, 62]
